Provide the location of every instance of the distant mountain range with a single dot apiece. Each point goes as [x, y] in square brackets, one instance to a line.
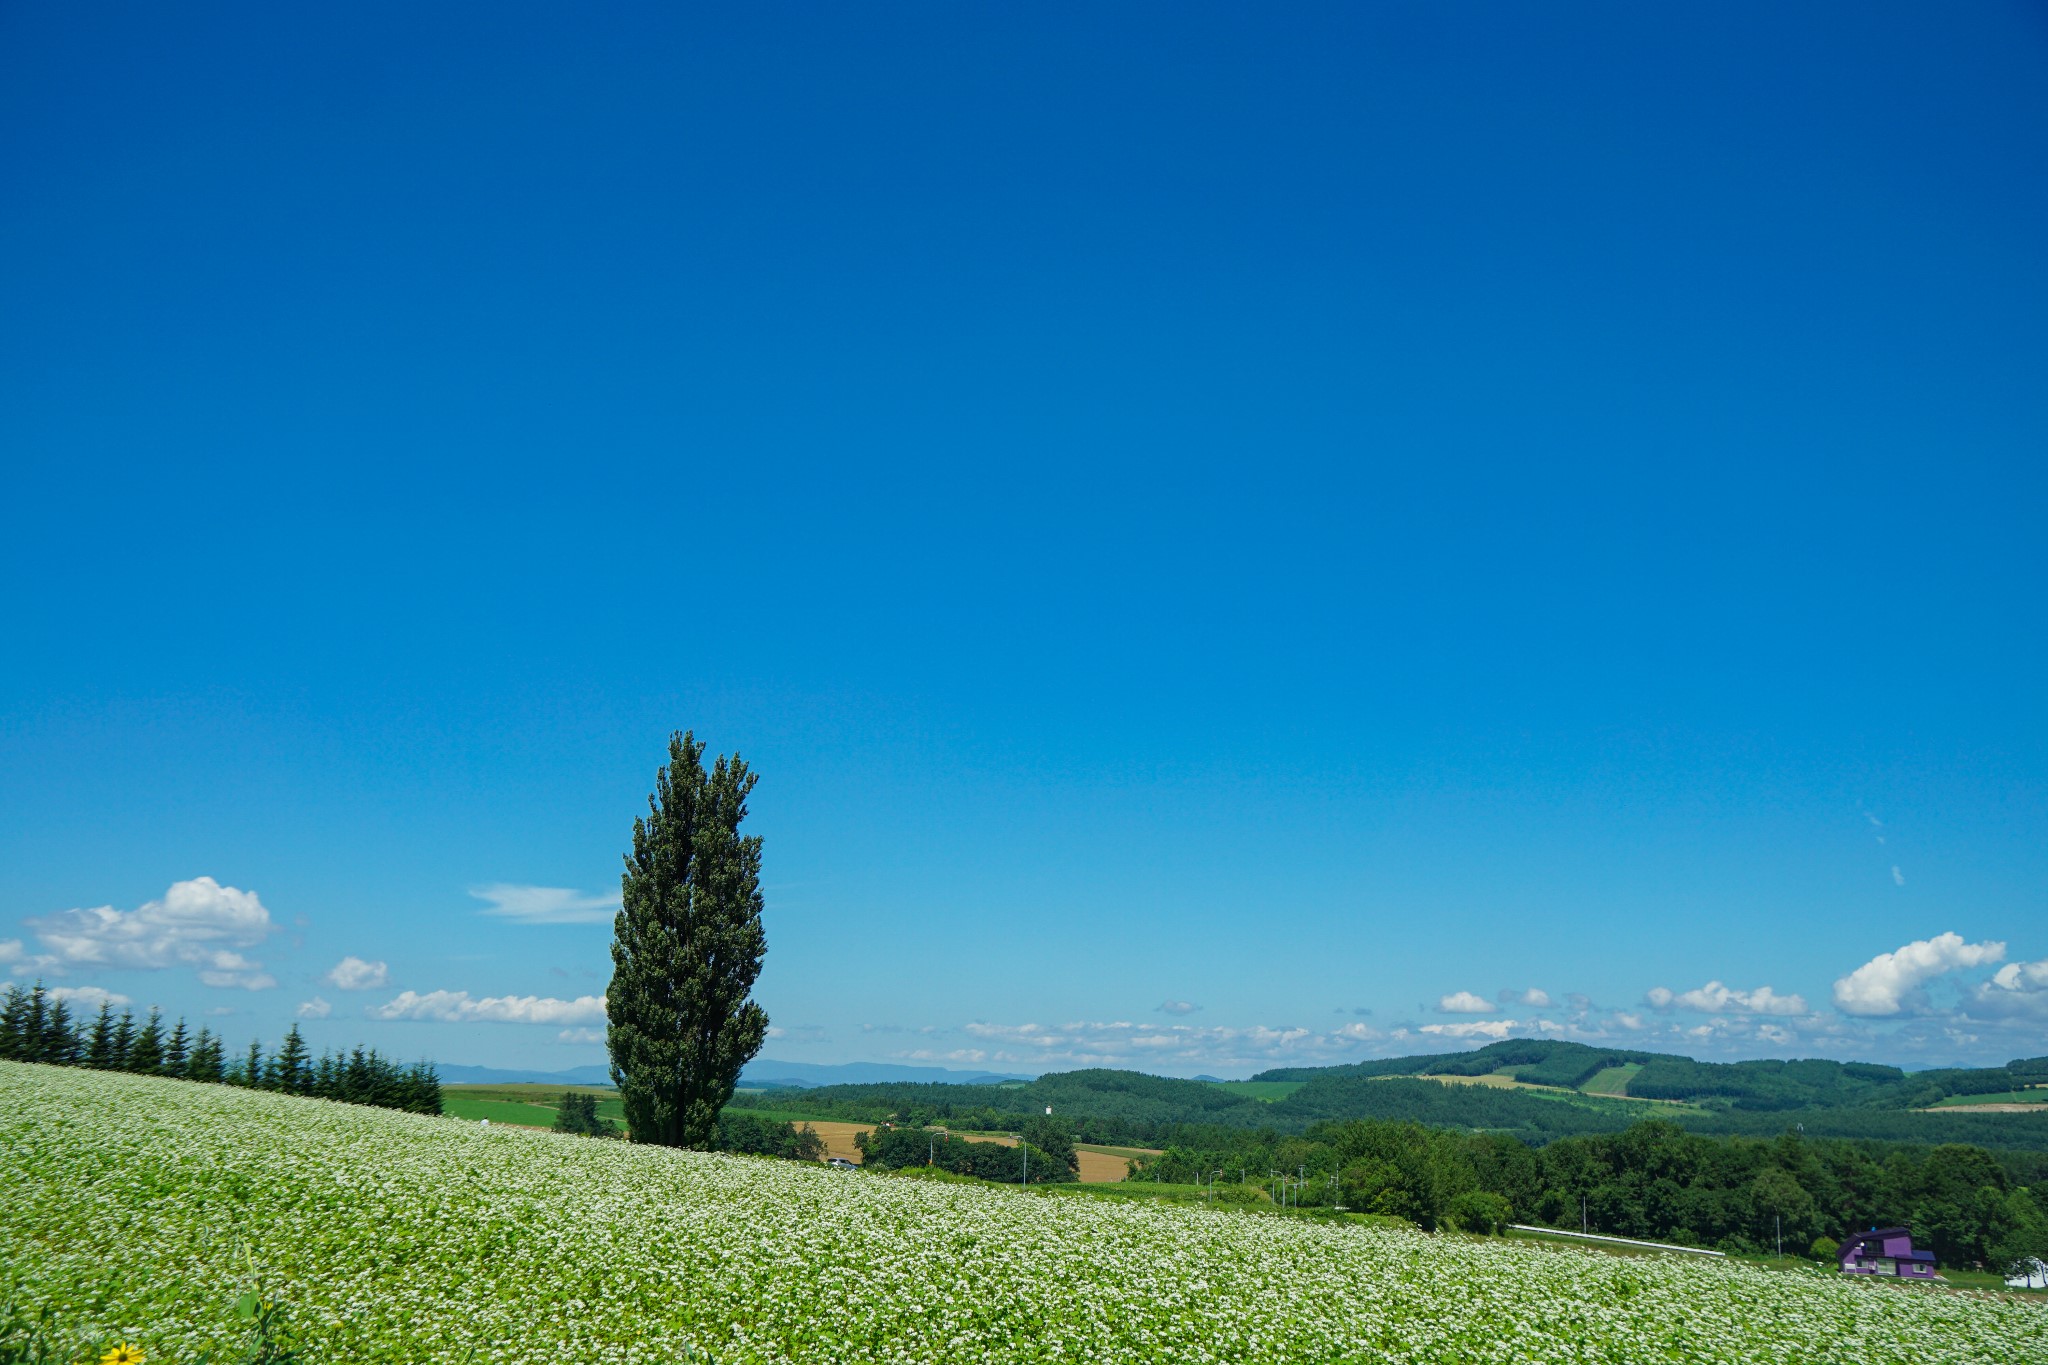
[760, 1072]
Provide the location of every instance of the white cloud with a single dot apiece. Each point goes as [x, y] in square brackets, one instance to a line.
[1176, 1007]
[455, 1007]
[1898, 877]
[316, 1008]
[1495, 1029]
[1119, 1042]
[1893, 983]
[2016, 988]
[1464, 1002]
[88, 997]
[545, 904]
[198, 923]
[354, 974]
[1534, 998]
[1715, 998]
[580, 1035]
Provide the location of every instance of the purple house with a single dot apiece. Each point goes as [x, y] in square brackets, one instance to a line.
[1885, 1251]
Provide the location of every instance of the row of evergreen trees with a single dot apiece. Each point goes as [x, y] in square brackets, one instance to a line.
[37, 1027]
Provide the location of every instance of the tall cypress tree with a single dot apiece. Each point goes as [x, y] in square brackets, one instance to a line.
[686, 947]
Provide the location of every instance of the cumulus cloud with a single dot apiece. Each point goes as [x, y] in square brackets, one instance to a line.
[2016, 988]
[14, 956]
[1495, 1029]
[456, 1007]
[354, 974]
[1176, 1007]
[1534, 998]
[1121, 1041]
[198, 923]
[580, 1035]
[1715, 998]
[87, 997]
[544, 904]
[1894, 982]
[1465, 1002]
[316, 1008]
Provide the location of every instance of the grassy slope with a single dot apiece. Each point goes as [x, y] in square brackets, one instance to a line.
[1612, 1080]
[139, 1208]
[1259, 1090]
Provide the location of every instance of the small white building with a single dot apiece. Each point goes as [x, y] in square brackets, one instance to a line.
[2031, 1273]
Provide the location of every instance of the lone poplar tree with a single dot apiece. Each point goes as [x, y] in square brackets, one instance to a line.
[686, 947]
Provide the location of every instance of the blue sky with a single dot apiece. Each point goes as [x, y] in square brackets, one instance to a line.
[1231, 535]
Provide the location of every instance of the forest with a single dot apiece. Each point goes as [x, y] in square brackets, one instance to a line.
[1652, 1180]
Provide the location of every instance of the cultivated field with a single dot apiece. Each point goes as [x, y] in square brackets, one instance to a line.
[139, 1209]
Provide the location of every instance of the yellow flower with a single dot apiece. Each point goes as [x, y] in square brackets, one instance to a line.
[122, 1355]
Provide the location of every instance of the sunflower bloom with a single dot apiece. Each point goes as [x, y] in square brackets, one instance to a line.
[122, 1355]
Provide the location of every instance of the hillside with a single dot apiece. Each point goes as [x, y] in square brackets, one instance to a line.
[1762, 1086]
[392, 1237]
[1546, 1090]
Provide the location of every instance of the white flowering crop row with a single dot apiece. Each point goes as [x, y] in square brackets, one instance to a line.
[138, 1209]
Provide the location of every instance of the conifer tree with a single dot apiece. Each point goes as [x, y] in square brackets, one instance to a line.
[686, 947]
[14, 1025]
[146, 1053]
[204, 1063]
[60, 1040]
[253, 1074]
[99, 1046]
[288, 1071]
[33, 1036]
[177, 1050]
[124, 1039]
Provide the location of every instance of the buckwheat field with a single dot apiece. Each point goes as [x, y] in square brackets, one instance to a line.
[137, 1210]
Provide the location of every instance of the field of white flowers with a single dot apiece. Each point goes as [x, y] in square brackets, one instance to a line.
[139, 1209]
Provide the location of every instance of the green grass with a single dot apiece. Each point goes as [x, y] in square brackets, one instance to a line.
[142, 1210]
[1261, 1090]
[2035, 1095]
[789, 1116]
[1612, 1081]
[497, 1111]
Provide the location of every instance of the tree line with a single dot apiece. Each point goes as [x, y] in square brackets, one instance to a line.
[38, 1027]
[1043, 1154]
[1655, 1181]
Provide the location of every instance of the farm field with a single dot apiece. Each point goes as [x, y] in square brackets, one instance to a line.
[1260, 1090]
[531, 1106]
[1612, 1081]
[140, 1209]
[2010, 1101]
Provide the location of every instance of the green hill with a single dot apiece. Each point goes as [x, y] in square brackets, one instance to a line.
[141, 1210]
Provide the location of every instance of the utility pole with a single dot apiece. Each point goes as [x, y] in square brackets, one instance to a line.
[1778, 1224]
[1582, 1215]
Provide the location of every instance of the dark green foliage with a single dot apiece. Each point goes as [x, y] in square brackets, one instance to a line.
[99, 1046]
[288, 1070]
[146, 1052]
[755, 1136]
[177, 1051]
[1765, 1086]
[124, 1039]
[1652, 1180]
[686, 948]
[576, 1112]
[896, 1148]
